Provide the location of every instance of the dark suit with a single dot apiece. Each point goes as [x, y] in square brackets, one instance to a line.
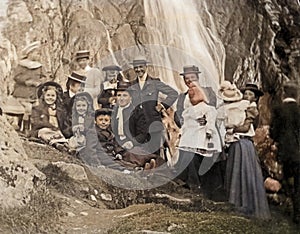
[132, 122]
[145, 100]
[285, 130]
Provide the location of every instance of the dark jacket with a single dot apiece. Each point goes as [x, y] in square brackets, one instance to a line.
[66, 100]
[133, 126]
[285, 130]
[40, 118]
[24, 78]
[147, 98]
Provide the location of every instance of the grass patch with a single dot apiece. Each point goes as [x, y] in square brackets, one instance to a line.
[163, 219]
[40, 215]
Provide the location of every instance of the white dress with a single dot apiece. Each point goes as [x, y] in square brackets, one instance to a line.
[193, 138]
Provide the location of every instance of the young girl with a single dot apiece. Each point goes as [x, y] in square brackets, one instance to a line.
[47, 117]
[84, 139]
[244, 180]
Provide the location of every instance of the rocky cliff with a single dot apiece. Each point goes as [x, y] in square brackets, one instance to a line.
[237, 40]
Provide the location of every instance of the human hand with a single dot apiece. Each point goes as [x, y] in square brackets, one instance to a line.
[78, 128]
[202, 120]
[128, 145]
[112, 100]
[160, 107]
[272, 185]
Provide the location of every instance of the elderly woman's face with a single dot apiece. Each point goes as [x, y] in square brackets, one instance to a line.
[190, 79]
[50, 96]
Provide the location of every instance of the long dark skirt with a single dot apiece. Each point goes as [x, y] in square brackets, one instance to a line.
[244, 180]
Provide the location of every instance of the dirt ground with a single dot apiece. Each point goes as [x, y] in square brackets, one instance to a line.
[161, 210]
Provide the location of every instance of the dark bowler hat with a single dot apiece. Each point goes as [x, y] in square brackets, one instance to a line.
[123, 85]
[45, 86]
[77, 77]
[82, 54]
[139, 60]
[252, 87]
[190, 70]
[112, 68]
[103, 111]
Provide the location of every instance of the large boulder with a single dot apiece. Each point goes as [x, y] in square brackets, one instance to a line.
[18, 177]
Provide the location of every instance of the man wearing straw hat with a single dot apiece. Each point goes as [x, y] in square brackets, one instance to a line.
[28, 75]
[144, 92]
[93, 75]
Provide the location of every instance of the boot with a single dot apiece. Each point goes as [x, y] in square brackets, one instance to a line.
[26, 128]
[20, 120]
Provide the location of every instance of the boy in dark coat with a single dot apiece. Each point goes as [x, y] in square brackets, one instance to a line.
[285, 130]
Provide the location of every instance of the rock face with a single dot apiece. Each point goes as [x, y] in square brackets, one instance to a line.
[18, 177]
[240, 41]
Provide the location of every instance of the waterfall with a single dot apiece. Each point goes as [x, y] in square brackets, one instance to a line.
[179, 37]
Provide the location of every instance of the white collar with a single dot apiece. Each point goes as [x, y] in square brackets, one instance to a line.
[124, 107]
[71, 94]
[87, 68]
[289, 100]
[144, 77]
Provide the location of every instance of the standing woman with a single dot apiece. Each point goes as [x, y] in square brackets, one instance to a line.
[243, 181]
[48, 115]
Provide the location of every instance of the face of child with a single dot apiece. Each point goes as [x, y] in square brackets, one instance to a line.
[50, 97]
[249, 96]
[123, 98]
[81, 107]
[75, 87]
[103, 121]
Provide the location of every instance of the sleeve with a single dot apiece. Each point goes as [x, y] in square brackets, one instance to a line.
[211, 120]
[19, 75]
[251, 114]
[171, 93]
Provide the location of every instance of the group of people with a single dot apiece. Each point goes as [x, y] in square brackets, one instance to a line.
[118, 123]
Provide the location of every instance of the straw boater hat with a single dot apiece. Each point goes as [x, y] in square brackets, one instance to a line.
[252, 87]
[229, 92]
[103, 111]
[82, 54]
[191, 69]
[30, 47]
[139, 60]
[112, 68]
[77, 77]
[53, 84]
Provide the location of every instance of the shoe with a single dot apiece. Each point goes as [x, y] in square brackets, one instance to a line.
[147, 166]
[152, 163]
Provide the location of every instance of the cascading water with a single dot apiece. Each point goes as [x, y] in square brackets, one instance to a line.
[180, 38]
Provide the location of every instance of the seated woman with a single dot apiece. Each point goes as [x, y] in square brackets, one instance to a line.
[47, 117]
[84, 138]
